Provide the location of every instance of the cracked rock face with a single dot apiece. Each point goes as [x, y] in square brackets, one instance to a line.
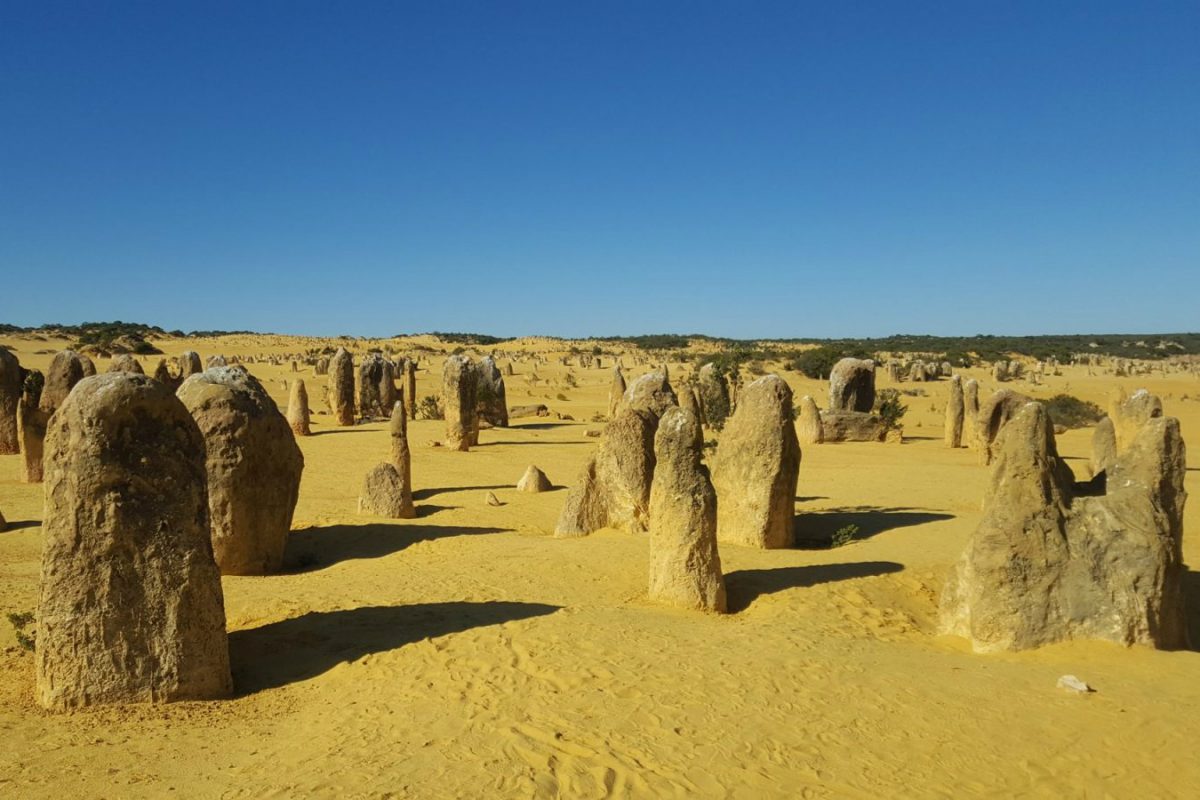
[714, 395]
[994, 414]
[1046, 565]
[491, 395]
[616, 392]
[852, 385]
[808, 422]
[651, 392]
[341, 387]
[459, 395]
[613, 489]
[955, 414]
[297, 412]
[66, 369]
[685, 567]
[11, 379]
[756, 468]
[131, 608]
[376, 386]
[254, 467]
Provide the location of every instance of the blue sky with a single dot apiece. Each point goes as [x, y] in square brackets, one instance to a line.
[570, 168]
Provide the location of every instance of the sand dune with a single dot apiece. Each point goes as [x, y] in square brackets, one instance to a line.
[466, 653]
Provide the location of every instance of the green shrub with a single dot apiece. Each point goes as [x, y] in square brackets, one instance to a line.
[844, 536]
[32, 386]
[818, 362]
[889, 408]
[430, 408]
[958, 358]
[1071, 412]
[20, 622]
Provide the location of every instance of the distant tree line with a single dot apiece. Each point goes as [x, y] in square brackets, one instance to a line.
[100, 332]
[958, 350]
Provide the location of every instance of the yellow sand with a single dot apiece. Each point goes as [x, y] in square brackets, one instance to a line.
[467, 653]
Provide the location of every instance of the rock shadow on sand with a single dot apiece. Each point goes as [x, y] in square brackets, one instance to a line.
[815, 529]
[303, 647]
[744, 586]
[425, 494]
[1191, 605]
[313, 548]
[548, 442]
[331, 431]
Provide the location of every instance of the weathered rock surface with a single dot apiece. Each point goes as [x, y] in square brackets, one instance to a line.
[188, 364]
[387, 387]
[383, 493]
[1104, 446]
[852, 385]
[852, 426]
[971, 413]
[254, 467]
[994, 413]
[689, 400]
[534, 481]
[11, 379]
[714, 395]
[162, 374]
[1130, 413]
[535, 410]
[1046, 565]
[341, 387]
[374, 378]
[616, 392]
[490, 395]
[808, 423]
[685, 567]
[613, 489]
[66, 369]
[402, 460]
[298, 412]
[131, 607]
[955, 413]
[125, 363]
[651, 392]
[459, 384]
[410, 388]
[31, 435]
[756, 468]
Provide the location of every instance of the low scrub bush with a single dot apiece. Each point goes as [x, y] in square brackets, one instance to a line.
[1071, 412]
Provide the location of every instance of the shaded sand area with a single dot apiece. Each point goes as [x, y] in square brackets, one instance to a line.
[467, 653]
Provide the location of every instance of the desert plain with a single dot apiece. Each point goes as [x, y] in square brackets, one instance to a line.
[469, 653]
